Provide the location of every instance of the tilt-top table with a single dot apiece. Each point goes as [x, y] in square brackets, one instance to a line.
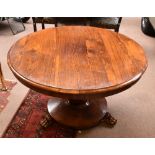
[79, 66]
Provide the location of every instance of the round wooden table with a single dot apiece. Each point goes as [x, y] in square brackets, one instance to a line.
[79, 66]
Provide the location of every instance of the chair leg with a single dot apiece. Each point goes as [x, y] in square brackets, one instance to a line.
[56, 24]
[2, 80]
[118, 26]
[117, 29]
[34, 24]
[42, 23]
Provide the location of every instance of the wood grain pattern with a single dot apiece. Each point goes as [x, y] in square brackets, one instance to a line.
[77, 60]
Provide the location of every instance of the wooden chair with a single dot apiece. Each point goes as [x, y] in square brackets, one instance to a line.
[2, 83]
[103, 22]
[107, 22]
[58, 20]
[43, 21]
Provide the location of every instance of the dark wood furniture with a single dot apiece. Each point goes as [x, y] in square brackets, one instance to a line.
[102, 22]
[80, 66]
[43, 21]
[147, 27]
[107, 22]
[2, 83]
[59, 20]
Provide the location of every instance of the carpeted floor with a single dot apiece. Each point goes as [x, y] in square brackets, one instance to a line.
[134, 108]
[5, 94]
[26, 123]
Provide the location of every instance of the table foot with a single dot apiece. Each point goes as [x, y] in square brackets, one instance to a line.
[3, 89]
[78, 114]
[47, 121]
[108, 120]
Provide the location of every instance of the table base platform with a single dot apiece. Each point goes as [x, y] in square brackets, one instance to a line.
[78, 114]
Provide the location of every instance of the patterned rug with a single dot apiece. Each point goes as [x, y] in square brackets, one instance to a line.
[5, 94]
[26, 123]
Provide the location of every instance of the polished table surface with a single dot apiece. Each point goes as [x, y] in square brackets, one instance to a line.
[77, 62]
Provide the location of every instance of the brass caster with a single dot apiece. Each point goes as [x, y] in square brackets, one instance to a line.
[108, 120]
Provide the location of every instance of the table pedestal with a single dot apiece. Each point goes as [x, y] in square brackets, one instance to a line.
[78, 114]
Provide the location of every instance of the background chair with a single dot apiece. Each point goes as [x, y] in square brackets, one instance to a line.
[2, 83]
[15, 26]
[43, 21]
[58, 20]
[103, 22]
[147, 27]
[107, 22]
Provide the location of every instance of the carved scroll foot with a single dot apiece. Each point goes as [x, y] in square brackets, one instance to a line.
[3, 88]
[108, 120]
[46, 122]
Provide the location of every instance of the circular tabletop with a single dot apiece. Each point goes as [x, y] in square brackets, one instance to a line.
[77, 60]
